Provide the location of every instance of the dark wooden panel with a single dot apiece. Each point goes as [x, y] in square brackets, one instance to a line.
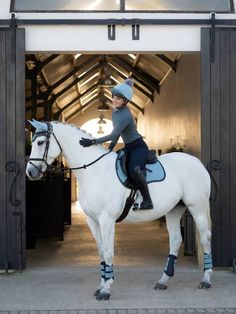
[20, 146]
[3, 242]
[215, 147]
[225, 147]
[12, 147]
[205, 96]
[233, 143]
[11, 150]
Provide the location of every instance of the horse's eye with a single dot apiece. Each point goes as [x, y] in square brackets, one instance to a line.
[40, 142]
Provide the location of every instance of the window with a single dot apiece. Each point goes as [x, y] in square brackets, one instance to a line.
[179, 5]
[66, 5]
[122, 5]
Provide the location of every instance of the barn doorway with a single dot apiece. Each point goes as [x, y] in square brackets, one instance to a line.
[75, 88]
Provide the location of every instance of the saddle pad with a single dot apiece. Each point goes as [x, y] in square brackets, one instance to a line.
[154, 172]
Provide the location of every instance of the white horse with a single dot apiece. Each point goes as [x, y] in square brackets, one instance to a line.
[102, 196]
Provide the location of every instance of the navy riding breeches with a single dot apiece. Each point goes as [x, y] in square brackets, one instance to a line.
[137, 153]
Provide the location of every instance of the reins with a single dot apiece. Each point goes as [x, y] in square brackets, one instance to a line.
[91, 163]
[44, 159]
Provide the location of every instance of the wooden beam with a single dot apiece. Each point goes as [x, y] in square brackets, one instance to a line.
[89, 103]
[54, 97]
[165, 59]
[59, 112]
[143, 76]
[150, 96]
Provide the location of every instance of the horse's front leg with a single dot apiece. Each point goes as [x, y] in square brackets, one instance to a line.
[107, 228]
[96, 232]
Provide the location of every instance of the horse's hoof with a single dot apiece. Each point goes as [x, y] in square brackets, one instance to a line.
[160, 286]
[204, 285]
[103, 296]
[96, 292]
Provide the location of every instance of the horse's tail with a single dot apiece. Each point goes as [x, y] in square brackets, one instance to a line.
[213, 165]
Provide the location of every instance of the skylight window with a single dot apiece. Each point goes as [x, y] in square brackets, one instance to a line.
[65, 5]
[124, 5]
[179, 5]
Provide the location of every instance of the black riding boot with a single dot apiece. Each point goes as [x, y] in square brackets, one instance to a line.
[141, 184]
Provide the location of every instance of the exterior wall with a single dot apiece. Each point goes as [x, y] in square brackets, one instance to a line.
[176, 111]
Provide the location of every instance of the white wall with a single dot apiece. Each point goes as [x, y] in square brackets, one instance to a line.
[90, 39]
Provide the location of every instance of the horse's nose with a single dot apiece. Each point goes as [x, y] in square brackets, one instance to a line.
[30, 173]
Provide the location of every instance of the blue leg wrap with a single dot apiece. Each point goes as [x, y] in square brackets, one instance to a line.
[207, 261]
[102, 269]
[170, 265]
[109, 272]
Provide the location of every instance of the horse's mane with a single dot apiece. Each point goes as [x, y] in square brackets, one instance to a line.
[76, 128]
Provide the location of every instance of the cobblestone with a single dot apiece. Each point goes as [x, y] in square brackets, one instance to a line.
[131, 311]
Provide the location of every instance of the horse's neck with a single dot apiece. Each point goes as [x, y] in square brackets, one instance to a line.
[76, 155]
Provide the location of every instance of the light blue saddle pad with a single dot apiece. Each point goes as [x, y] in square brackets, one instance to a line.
[154, 172]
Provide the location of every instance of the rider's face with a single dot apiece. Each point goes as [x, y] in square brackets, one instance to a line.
[117, 102]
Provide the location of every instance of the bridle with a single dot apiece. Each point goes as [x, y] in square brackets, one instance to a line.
[47, 133]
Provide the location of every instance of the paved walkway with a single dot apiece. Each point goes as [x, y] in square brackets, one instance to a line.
[130, 311]
[68, 289]
[62, 276]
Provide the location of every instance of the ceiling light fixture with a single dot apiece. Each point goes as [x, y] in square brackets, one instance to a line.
[100, 130]
[106, 80]
[101, 119]
[103, 106]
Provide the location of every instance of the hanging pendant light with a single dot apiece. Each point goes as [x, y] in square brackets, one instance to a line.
[101, 119]
[100, 130]
[106, 80]
[103, 104]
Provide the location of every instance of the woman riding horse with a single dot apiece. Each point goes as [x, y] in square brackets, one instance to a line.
[135, 147]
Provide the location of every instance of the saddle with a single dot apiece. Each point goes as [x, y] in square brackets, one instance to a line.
[154, 170]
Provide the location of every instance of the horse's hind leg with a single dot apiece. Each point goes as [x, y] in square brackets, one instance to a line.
[201, 216]
[175, 239]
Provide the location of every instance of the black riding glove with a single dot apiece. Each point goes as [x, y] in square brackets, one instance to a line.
[111, 146]
[86, 142]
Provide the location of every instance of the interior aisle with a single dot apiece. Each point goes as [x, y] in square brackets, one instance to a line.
[142, 244]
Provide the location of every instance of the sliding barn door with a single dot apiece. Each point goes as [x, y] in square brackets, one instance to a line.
[218, 75]
[12, 148]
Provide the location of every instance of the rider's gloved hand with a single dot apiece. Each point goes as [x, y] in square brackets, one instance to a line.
[86, 142]
[111, 146]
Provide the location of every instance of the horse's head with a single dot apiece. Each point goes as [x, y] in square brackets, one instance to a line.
[45, 149]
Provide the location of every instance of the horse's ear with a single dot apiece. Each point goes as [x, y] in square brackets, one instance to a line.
[39, 126]
[33, 123]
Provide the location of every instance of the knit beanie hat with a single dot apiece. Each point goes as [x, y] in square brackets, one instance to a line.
[124, 90]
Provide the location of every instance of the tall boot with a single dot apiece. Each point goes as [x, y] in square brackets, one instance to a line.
[141, 184]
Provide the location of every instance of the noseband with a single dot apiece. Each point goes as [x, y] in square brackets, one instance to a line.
[47, 133]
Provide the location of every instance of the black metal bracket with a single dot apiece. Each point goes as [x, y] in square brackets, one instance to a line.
[234, 265]
[135, 32]
[212, 44]
[13, 25]
[214, 165]
[13, 20]
[111, 32]
[12, 166]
